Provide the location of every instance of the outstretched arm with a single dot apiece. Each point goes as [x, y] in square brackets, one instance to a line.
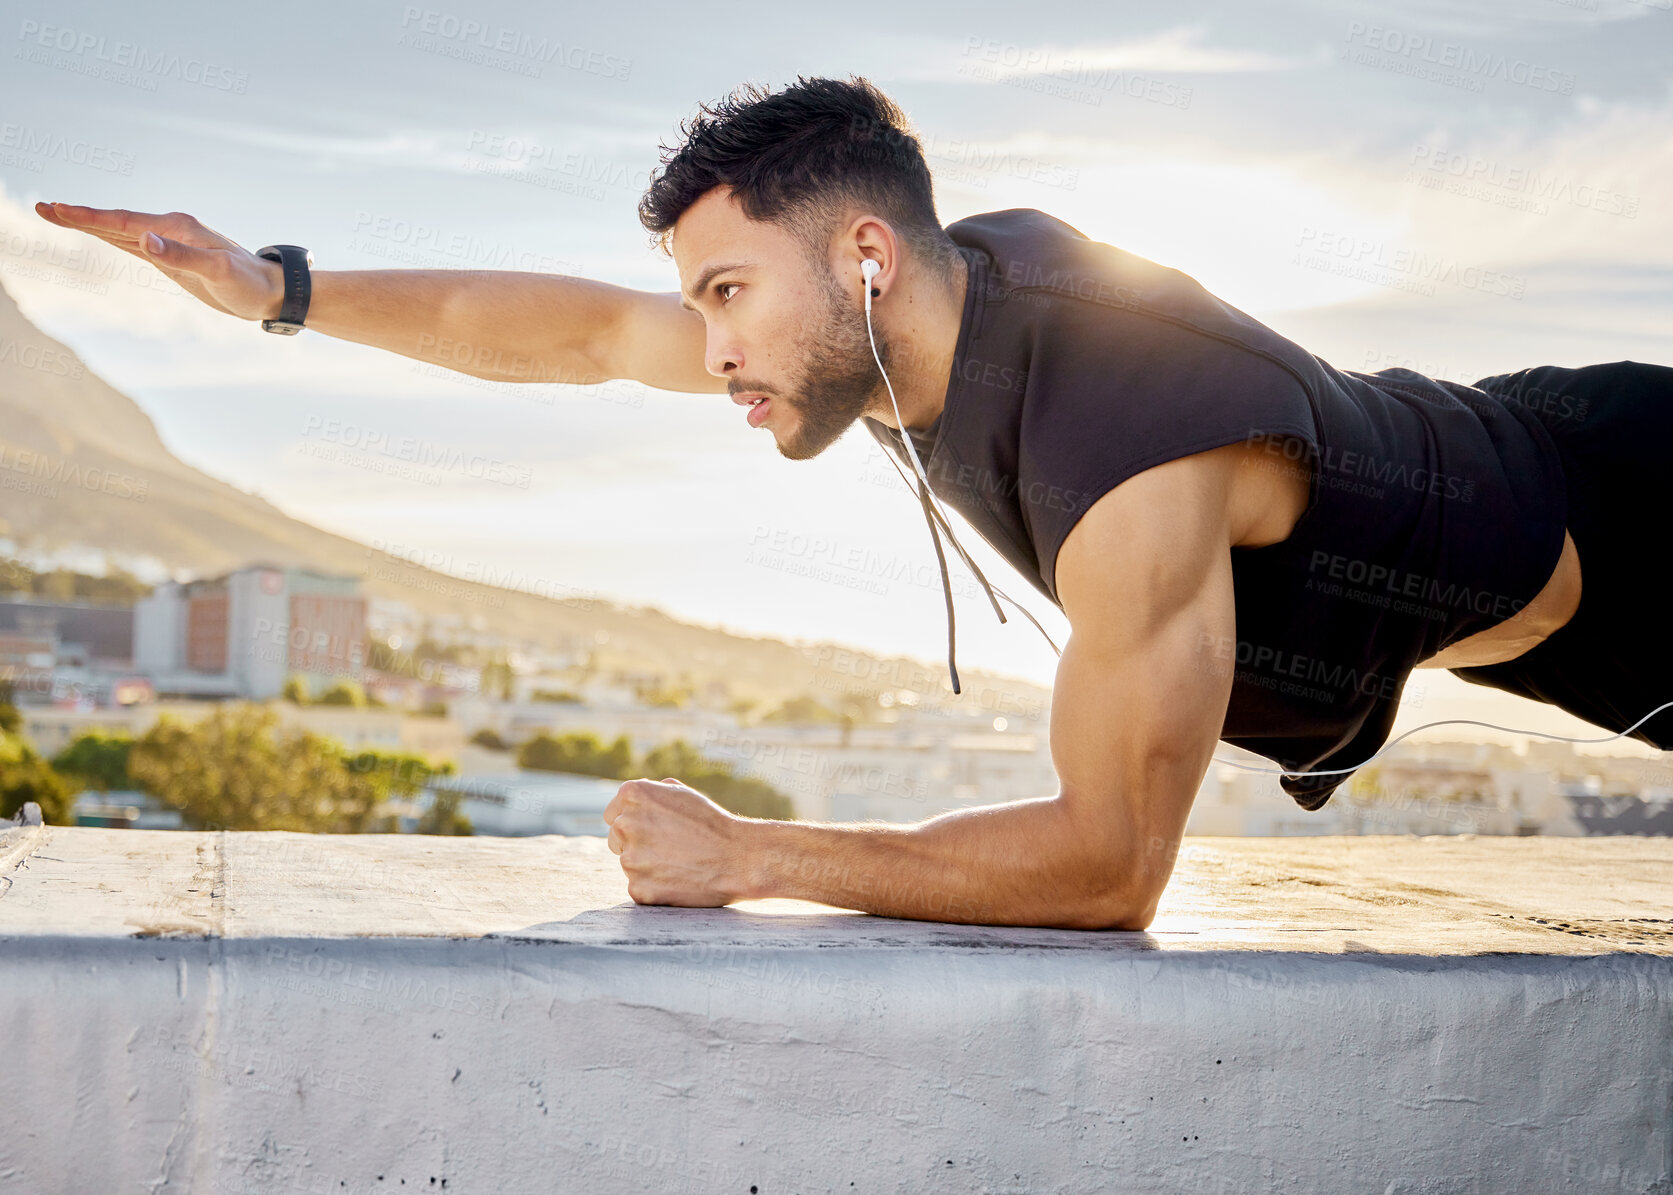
[502, 325]
[1140, 699]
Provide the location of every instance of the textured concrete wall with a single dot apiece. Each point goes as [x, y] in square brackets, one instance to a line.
[610, 1047]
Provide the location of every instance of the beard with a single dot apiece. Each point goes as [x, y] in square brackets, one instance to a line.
[839, 378]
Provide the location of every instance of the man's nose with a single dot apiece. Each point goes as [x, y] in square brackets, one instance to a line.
[722, 359]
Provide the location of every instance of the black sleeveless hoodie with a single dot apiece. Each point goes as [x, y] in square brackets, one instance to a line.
[1434, 511]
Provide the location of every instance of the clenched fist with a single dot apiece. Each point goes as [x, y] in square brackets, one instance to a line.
[677, 847]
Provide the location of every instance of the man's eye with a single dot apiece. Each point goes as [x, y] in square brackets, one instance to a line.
[723, 286]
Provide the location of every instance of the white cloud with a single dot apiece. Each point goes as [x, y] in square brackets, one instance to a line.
[1181, 50]
[1495, 19]
[438, 149]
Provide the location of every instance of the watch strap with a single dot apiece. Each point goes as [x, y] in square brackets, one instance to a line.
[294, 260]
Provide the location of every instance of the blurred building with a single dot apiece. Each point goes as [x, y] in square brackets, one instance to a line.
[68, 653]
[243, 633]
[917, 766]
[521, 802]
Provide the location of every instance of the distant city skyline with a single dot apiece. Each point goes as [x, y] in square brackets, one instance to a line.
[1459, 188]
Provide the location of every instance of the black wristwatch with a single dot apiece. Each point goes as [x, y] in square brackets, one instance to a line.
[298, 287]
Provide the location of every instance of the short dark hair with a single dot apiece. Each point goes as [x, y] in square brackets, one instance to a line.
[803, 157]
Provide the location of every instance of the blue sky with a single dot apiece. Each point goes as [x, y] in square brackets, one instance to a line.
[1295, 158]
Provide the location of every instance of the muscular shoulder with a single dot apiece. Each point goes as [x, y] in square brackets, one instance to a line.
[1142, 546]
[1261, 490]
[1241, 494]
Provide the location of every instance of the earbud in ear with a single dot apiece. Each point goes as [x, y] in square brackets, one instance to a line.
[868, 270]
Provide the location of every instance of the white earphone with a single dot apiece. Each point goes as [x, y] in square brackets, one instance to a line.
[868, 271]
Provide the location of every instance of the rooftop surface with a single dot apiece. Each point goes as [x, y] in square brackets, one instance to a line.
[294, 1014]
[1443, 895]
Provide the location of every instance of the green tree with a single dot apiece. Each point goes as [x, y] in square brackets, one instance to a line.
[16, 576]
[10, 720]
[666, 696]
[96, 760]
[443, 816]
[296, 689]
[25, 776]
[238, 769]
[498, 678]
[747, 796]
[568, 696]
[801, 709]
[343, 692]
[397, 775]
[57, 586]
[579, 752]
[119, 587]
[490, 738]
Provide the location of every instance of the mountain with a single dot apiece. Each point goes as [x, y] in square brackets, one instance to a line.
[82, 466]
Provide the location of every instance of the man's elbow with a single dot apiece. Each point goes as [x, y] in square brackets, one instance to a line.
[1128, 912]
[1120, 885]
[1130, 905]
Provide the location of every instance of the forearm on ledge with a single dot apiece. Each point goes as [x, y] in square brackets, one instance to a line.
[500, 325]
[1027, 862]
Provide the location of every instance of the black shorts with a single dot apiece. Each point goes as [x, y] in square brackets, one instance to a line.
[1611, 663]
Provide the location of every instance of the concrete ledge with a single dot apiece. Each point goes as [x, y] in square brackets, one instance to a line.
[292, 1013]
